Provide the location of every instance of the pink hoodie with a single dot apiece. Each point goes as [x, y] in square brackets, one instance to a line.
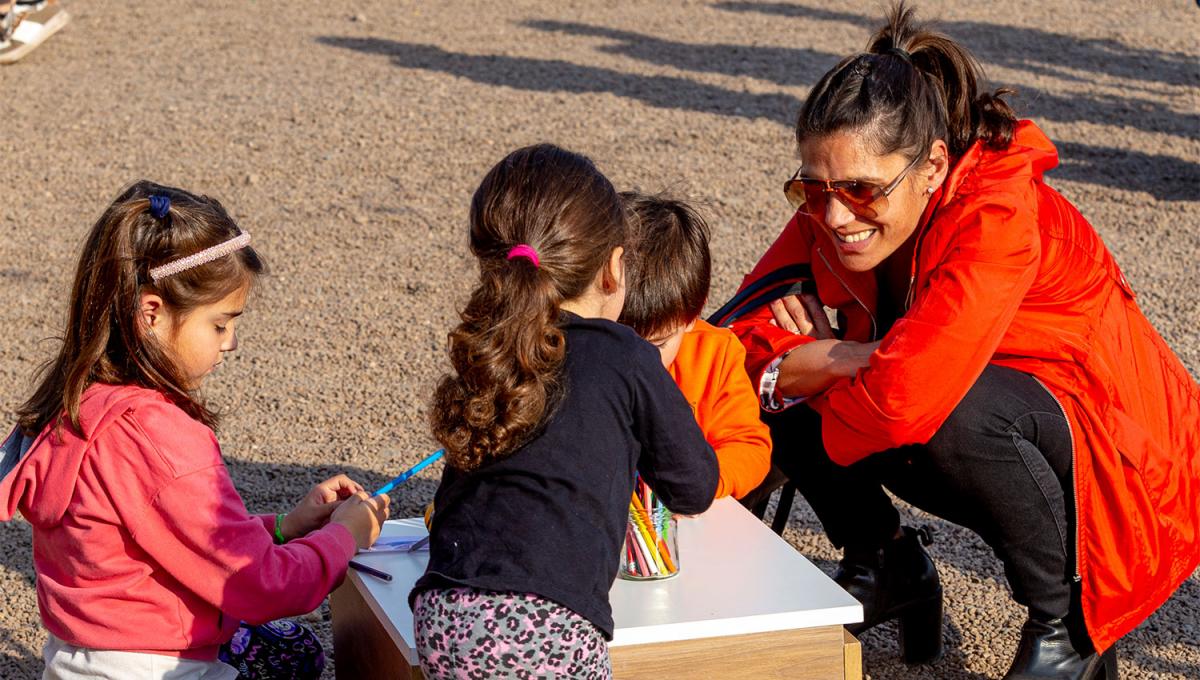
[140, 541]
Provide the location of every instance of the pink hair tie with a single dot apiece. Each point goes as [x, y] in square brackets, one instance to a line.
[523, 250]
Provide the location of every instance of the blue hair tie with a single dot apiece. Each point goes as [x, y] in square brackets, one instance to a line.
[159, 205]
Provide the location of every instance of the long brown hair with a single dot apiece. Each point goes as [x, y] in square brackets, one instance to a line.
[912, 86]
[105, 339]
[508, 350]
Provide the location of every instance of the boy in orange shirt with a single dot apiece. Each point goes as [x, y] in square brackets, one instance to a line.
[667, 279]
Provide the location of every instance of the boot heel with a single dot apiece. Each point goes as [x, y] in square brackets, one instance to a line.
[1108, 665]
[921, 632]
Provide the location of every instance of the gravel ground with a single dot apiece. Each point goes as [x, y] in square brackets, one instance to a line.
[349, 137]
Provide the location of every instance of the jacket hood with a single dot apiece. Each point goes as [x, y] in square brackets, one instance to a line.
[38, 474]
[1030, 154]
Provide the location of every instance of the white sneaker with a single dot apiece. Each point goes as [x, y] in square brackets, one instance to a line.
[27, 6]
[29, 28]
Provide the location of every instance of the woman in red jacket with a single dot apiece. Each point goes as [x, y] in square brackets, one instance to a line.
[989, 363]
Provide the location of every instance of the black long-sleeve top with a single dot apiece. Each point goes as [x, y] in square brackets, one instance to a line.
[550, 518]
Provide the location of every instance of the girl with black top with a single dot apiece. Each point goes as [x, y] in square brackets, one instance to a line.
[550, 410]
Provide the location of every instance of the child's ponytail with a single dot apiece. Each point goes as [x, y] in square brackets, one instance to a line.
[543, 223]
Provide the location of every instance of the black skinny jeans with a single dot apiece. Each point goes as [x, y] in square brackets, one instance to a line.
[1000, 465]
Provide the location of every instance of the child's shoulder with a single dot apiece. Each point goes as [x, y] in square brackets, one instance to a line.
[705, 331]
[706, 342]
[101, 403]
[601, 332]
[148, 416]
[608, 342]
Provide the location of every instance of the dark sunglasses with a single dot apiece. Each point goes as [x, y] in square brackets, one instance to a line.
[811, 196]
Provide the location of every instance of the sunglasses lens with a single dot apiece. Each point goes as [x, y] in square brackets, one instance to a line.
[794, 191]
[815, 198]
[806, 197]
[864, 200]
[811, 197]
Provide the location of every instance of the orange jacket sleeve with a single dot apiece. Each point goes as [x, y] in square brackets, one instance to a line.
[710, 371]
[934, 354]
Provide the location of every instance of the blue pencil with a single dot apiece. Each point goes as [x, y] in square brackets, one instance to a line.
[410, 472]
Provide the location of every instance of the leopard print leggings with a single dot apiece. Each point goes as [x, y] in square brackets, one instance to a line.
[470, 634]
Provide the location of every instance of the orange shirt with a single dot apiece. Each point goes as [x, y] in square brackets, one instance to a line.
[710, 370]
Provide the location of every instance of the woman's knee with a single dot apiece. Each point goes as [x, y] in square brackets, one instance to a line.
[982, 424]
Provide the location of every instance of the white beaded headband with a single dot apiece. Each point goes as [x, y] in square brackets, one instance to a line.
[203, 257]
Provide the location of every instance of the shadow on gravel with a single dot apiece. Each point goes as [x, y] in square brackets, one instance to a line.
[783, 65]
[27, 665]
[1164, 177]
[17, 557]
[881, 656]
[1037, 51]
[1143, 646]
[553, 75]
[277, 487]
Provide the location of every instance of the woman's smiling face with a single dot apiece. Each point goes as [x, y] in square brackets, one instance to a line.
[862, 243]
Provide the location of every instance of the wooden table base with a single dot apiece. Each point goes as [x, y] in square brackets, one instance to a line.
[804, 654]
[364, 649]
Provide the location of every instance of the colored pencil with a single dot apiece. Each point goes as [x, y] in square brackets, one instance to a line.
[645, 562]
[359, 566]
[648, 535]
[404, 476]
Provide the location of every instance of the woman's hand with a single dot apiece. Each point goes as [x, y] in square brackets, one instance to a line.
[313, 511]
[363, 515]
[814, 367]
[803, 314]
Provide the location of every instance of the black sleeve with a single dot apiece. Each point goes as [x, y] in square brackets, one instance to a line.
[676, 460]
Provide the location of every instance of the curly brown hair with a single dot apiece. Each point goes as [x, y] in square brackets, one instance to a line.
[507, 352]
[105, 339]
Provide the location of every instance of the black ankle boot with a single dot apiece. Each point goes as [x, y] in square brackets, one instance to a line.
[898, 581]
[1046, 651]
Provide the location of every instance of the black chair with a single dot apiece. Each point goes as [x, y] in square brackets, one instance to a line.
[757, 500]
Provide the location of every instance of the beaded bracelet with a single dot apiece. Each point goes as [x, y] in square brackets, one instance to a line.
[279, 539]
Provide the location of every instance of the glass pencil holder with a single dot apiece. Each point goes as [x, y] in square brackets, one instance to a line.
[651, 549]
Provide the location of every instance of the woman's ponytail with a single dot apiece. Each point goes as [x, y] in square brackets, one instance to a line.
[911, 87]
[996, 118]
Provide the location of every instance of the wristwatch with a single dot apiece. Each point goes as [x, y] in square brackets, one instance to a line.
[766, 386]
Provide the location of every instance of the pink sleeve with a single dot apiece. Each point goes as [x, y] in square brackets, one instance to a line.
[198, 530]
[268, 522]
[178, 502]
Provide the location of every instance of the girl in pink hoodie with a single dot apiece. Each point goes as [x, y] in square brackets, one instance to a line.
[148, 564]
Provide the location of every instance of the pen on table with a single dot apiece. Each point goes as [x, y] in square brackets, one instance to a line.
[359, 566]
[403, 477]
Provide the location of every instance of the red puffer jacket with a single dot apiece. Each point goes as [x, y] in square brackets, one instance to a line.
[1007, 272]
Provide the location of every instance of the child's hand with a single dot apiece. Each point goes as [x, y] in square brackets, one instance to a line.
[363, 515]
[313, 511]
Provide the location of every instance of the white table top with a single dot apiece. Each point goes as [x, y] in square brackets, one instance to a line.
[736, 577]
